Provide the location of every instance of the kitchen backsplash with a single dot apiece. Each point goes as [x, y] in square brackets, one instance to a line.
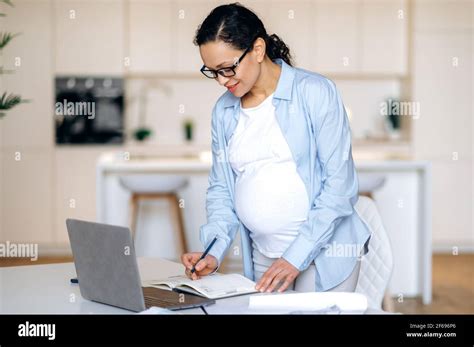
[163, 105]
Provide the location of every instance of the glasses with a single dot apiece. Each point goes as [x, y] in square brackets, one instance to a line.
[225, 71]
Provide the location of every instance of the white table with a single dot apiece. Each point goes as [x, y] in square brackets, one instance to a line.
[46, 289]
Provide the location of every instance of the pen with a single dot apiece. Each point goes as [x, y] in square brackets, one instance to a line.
[193, 270]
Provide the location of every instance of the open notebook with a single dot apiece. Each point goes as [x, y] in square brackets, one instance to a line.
[214, 286]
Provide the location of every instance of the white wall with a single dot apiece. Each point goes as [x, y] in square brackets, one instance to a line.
[443, 35]
[26, 133]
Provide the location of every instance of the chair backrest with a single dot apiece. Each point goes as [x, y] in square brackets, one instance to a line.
[376, 266]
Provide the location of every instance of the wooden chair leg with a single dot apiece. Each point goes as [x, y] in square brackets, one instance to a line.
[367, 194]
[387, 303]
[177, 218]
[134, 205]
[176, 214]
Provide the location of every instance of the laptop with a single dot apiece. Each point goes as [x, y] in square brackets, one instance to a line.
[107, 270]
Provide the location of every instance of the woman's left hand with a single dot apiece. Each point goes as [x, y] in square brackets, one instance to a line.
[280, 272]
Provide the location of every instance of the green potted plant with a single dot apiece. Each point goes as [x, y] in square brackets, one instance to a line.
[393, 118]
[142, 133]
[188, 126]
[7, 100]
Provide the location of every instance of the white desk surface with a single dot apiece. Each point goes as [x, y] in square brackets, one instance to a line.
[46, 289]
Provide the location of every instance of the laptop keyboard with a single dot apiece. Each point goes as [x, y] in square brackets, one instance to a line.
[172, 300]
[160, 297]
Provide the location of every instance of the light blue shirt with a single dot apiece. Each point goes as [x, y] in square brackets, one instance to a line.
[313, 121]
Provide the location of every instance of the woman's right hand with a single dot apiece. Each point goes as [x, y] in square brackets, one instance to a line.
[203, 267]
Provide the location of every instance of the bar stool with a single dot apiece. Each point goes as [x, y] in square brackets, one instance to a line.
[156, 187]
[369, 183]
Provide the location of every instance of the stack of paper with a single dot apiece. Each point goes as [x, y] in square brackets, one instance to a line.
[317, 302]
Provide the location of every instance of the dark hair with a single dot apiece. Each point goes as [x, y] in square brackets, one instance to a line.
[240, 27]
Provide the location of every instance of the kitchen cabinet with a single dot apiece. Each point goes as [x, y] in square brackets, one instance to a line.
[74, 176]
[26, 132]
[340, 36]
[150, 39]
[27, 207]
[28, 125]
[187, 15]
[89, 36]
[443, 85]
[444, 71]
[384, 36]
[156, 36]
[337, 36]
[360, 36]
[443, 16]
[292, 22]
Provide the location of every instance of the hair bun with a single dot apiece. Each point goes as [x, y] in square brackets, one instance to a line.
[277, 48]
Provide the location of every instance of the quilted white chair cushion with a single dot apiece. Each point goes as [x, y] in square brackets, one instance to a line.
[376, 266]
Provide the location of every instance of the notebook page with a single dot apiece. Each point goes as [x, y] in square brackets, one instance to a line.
[171, 282]
[221, 285]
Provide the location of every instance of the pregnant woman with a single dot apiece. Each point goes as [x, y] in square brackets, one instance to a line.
[282, 170]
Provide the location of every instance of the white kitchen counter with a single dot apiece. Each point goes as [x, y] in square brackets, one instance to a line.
[404, 204]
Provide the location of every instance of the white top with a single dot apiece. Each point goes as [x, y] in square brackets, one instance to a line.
[270, 196]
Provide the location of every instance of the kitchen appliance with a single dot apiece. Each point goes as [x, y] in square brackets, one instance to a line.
[89, 110]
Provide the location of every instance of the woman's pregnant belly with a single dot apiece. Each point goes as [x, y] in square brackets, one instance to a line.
[272, 202]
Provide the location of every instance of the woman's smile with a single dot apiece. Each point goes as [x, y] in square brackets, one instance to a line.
[232, 87]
